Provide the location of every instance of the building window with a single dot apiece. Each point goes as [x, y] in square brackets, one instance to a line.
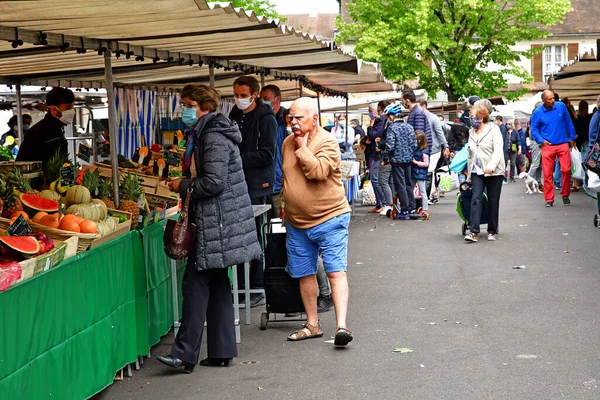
[554, 58]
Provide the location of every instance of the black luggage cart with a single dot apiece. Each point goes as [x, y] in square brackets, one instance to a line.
[282, 292]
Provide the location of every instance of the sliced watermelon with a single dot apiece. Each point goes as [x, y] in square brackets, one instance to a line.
[39, 203]
[22, 244]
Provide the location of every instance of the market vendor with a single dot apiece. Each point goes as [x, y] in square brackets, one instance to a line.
[14, 130]
[46, 137]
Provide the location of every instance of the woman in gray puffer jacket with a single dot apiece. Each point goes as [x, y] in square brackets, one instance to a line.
[226, 235]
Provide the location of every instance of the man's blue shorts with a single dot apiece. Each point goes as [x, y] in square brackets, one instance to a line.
[303, 246]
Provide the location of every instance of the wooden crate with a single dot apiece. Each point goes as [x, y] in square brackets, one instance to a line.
[62, 251]
[122, 229]
[148, 182]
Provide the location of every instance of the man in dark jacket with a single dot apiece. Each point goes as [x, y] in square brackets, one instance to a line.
[271, 96]
[417, 118]
[47, 137]
[258, 150]
[374, 133]
[359, 132]
[506, 138]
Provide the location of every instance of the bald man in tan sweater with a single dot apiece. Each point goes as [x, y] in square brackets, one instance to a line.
[317, 217]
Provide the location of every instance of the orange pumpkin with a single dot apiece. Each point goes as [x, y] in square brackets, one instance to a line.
[16, 214]
[88, 226]
[38, 216]
[51, 221]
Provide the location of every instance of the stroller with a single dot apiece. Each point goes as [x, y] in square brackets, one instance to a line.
[463, 206]
[282, 292]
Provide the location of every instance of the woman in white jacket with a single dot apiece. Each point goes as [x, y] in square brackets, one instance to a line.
[486, 170]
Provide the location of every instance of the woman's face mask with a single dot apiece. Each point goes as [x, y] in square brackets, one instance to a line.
[188, 116]
[475, 122]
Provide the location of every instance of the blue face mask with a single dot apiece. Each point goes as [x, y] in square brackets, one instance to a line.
[268, 103]
[188, 116]
[25, 127]
[475, 123]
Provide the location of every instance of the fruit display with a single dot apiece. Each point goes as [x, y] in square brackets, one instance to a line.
[105, 193]
[20, 183]
[19, 248]
[131, 196]
[38, 203]
[78, 194]
[9, 202]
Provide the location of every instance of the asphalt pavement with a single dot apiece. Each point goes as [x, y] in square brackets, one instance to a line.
[433, 317]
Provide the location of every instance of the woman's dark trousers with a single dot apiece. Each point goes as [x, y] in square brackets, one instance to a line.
[494, 188]
[206, 296]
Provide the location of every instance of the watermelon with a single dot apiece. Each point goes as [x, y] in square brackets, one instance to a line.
[22, 244]
[39, 203]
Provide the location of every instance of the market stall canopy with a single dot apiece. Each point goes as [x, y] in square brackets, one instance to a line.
[578, 81]
[163, 44]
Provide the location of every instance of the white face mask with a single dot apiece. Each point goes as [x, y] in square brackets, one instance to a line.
[243, 104]
[289, 130]
[67, 117]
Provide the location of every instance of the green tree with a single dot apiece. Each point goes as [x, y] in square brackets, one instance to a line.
[260, 7]
[469, 42]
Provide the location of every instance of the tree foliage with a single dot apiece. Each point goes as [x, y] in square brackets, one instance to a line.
[469, 42]
[260, 7]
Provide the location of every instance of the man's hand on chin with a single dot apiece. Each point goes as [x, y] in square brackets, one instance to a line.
[301, 141]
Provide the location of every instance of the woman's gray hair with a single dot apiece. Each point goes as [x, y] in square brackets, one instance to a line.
[485, 103]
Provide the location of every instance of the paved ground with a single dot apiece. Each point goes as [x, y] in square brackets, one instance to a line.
[477, 328]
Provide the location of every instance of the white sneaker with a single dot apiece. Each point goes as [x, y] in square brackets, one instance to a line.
[385, 210]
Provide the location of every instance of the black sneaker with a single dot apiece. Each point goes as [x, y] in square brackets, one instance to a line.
[257, 299]
[549, 204]
[566, 201]
[324, 303]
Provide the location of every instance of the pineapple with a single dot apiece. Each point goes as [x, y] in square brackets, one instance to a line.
[131, 194]
[105, 193]
[20, 183]
[12, 203]
[91, 180]
[53, 166]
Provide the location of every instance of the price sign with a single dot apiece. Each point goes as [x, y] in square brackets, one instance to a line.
[85, 152]
[172, 158]
[20, 227]
[67, 176]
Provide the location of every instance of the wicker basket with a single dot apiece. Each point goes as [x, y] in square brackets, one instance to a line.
[85, 239]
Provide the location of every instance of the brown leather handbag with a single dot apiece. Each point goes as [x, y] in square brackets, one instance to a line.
[180, 234]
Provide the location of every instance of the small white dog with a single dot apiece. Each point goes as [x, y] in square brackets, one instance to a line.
[530, 183]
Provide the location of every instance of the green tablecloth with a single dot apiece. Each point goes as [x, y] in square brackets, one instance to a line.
[159, 287]
[66, 332]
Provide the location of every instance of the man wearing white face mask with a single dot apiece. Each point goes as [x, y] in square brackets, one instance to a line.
[258, 149]
[47, 137]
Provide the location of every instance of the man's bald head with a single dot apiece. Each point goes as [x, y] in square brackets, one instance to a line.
[548, 99]
[305, 116]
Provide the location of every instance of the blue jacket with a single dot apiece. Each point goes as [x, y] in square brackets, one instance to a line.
[553, 125]
[504, 132]
[419, 121]
[419, 173]
[401, 142]
[281, 135]
[373, 132]
[523, 140]
[594, 128]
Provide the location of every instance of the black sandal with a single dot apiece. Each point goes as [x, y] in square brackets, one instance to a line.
[343, 336]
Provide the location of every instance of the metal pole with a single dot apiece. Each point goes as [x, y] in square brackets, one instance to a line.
[19, 112]
[319, 106]
[346, 127]
[300, 89]
[112, 122]
[211, 74]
